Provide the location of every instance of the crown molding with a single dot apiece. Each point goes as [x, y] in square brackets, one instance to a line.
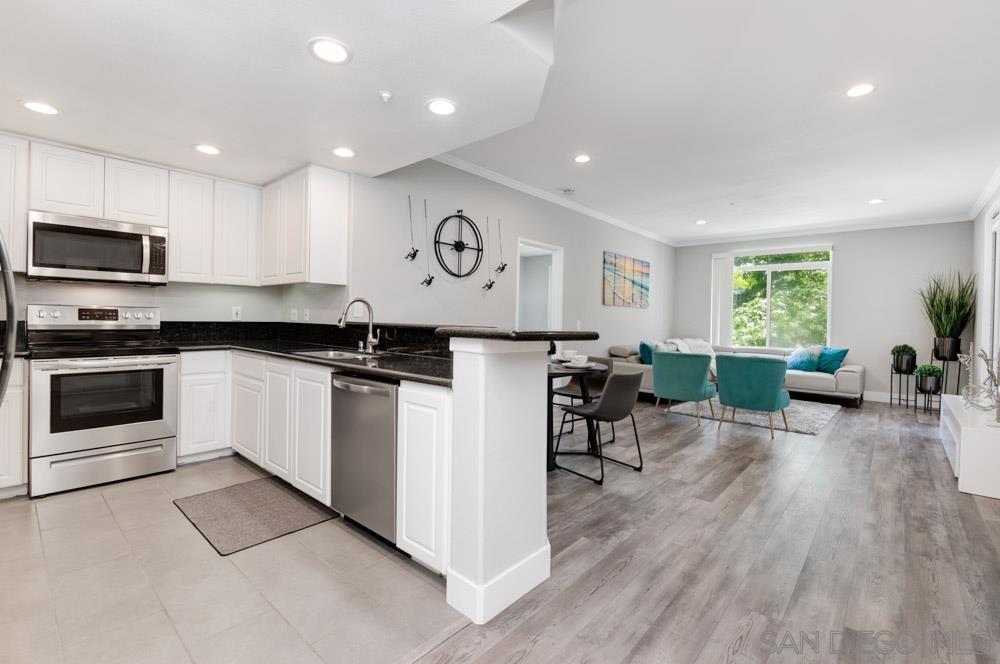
[992, 188]
[820, 229]
[499, 178]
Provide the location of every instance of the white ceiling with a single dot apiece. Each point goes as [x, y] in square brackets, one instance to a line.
[150, 78]
[735, 112]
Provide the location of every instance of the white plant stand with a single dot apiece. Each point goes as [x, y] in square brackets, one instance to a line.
[971, 441]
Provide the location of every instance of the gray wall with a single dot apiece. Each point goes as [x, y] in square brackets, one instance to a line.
[381, 237]
[533, 300]
[875, 276]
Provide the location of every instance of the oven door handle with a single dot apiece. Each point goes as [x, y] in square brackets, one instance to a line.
[109, 365]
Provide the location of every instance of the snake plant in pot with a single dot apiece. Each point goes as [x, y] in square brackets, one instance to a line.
[904, 359]
[928, 378]
[949, 304]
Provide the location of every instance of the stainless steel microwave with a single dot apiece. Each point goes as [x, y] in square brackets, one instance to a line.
[64, 247]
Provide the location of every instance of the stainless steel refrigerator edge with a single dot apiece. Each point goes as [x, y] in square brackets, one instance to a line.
[10, 298]
[363, 432]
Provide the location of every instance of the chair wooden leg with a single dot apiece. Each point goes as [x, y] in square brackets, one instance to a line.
[669, 402]
[785, 418]
[697, 412]
[770, 421]
[734, 413]
[711, 408]
[722, 417]
[657, 405]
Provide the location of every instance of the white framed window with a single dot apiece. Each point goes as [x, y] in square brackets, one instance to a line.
[772, 298]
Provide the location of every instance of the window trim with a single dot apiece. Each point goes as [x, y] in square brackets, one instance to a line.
[720, 336]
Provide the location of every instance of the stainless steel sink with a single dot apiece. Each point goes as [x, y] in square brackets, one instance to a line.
[332, 354]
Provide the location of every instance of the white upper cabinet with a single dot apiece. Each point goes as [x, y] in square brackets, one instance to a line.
[192, 231]
[14, 198]
[304, 236]
[270, 234]
[66, 181]
[237, 233]
[135, 193]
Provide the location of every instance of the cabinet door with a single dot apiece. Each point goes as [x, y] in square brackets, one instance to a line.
[311, 431]
[237, 233]
[248, 417]
[277, 457]
[204, 414]
[14, 431]
[271, 233]
[14, 198]
[296, 227]
[135, 193]
[191, 229]
[423, 473]
[66, 181]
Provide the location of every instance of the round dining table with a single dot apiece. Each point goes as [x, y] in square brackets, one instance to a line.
[560, 370]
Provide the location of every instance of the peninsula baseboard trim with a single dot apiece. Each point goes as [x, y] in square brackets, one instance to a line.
[204, 456]
[482, 602]
[13, 491]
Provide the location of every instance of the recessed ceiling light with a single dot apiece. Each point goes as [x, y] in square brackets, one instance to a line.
[330, 50]
[876, 201]
[385, 95]
[861, 89]
[441, 106]
[581, 158]
[204, 148]
[41, 107]
[700, 222]
[343, 152]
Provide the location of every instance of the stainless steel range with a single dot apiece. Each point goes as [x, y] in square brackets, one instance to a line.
[103, 396]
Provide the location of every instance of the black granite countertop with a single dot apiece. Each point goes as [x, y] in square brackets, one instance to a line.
[422, 368]
[516, 335]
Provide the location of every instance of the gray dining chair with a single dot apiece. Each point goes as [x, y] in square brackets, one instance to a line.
[573, 392]
[617, 401]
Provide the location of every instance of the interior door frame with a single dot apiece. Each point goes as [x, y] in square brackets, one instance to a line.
[555, 282]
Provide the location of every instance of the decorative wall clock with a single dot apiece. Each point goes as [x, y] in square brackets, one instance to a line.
[458, 245]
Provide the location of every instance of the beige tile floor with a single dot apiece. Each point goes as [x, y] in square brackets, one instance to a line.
[117, 574]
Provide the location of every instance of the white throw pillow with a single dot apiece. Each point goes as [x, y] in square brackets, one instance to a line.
[702, 347]
[682, 346]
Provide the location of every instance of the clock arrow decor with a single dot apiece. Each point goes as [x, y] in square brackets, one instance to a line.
[458, 245]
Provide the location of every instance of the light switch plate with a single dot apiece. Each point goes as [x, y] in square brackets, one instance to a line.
[293, 314]
[305, 315]
[237, 313]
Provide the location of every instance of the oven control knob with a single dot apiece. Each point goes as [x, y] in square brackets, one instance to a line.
[40, 314]
[149, 315]
[55, 314]
[127, 315]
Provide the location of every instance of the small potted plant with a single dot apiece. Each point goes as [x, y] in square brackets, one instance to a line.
[928, 378]
[949, 305]
[904, 359]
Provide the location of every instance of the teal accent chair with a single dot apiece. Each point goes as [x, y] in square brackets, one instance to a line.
[753, 383]
[683, 377]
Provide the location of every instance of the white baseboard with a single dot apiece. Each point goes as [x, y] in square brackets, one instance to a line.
[204, 456]
[878, 397]
[482, 602]
[13, 491]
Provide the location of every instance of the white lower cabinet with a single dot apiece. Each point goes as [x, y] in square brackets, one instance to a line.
[277, 419]
[311, 443]
[423, 473]
[203, 422]
[14, 430]
[248, 405]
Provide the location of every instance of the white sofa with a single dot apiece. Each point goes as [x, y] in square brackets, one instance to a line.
[848, 382]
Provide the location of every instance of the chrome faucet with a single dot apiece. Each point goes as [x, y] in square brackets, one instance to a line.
[372, 339]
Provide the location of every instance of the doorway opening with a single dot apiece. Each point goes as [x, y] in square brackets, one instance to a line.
[539, 286]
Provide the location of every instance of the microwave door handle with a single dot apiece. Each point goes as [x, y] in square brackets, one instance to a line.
[145, 254]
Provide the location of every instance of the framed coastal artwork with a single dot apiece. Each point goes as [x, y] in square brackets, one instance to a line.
[626, 281]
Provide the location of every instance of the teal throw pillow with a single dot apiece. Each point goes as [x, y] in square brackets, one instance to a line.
[830, 359]
[804, 359]
[646, 352]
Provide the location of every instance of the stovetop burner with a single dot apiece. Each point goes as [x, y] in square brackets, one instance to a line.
[68, 331]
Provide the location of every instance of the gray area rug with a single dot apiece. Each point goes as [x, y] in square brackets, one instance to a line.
[808, 417]
[244, 515]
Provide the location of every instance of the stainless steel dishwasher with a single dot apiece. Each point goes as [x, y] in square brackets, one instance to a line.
[363, 477]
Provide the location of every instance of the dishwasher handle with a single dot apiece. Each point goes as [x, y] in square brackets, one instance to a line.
[362, 389]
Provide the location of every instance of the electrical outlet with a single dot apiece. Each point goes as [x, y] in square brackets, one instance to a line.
[293, 314]
[237, 313]
[305, 315]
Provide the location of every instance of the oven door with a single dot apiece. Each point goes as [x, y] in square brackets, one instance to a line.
[81, 404]
[65, 247]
